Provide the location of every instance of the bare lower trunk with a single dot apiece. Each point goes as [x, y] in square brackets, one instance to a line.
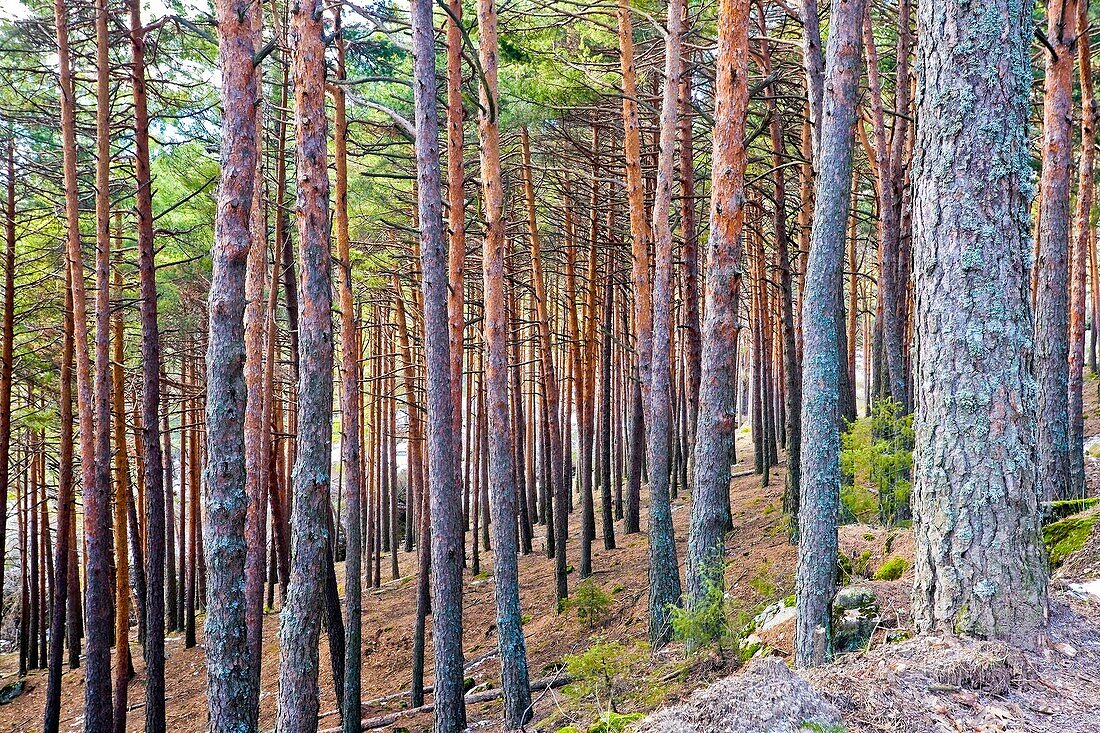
[980, 568]
[445, 505]
[300, 623]
[718, 383]
[820, 495]
[1052, 264]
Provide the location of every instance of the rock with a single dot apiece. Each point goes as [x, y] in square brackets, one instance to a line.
[854, 597]
[855, 617]
[12, 690]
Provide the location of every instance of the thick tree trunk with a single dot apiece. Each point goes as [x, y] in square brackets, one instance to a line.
[300, 623]
[94, 417]
[228, 668]
[445, 503]
[1051, 302]
[717, 426]
[664, 573]
[980, 568]
[510, 641]
[820, 495]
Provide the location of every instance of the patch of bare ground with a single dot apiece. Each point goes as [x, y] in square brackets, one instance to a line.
[931, 684]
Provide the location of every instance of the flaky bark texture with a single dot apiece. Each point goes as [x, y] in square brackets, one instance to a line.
[718, 385]
[820, 492]
[445, 501]
[95, 424]
[664, 572]
[153, 464]
[979, 564]
[255, 429]
[502, 490]
[300, 623]
[226, 502]
[639, 251]
[350, 448]
[1081, 240]
[1051, 302]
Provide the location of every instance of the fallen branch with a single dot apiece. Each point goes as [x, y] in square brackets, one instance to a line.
[543, 683]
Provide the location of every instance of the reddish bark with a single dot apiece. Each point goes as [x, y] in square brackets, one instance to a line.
[227, 653]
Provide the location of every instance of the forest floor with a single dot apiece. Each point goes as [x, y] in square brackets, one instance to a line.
[760, 571]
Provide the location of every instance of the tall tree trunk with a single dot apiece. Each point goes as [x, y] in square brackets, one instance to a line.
[153, 463]
[551, 393]
[718, 382]
[640, 238]
[66, 513]
[300, 624]
[350, 448]
[228, 668]
[664, 573]
[95, 416]
[123, 662]
[456, 222]
[980, 568]
[693, 348]
[1051, 302]
[792, 368]
[445, 511]
[7, 363]
[1081, 233]
[816, 575]
[256, 429]
[890, 290]
[510, 641]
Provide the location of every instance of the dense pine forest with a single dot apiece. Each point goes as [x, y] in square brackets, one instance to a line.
[677, 366]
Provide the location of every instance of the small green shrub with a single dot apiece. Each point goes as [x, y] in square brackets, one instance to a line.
[877, 457]
[606, 673]
[703, 622]
[590, 602]
[762, 582]
[612, 722]
[892, 569]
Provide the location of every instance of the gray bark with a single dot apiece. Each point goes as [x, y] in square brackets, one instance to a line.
[979, 564]
[820, 496]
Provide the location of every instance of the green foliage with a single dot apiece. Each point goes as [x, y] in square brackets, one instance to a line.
[815, 727]
[1065, 537]
[876, 458]
[607, 673]
[612, 722]
[762, 582]
[704, 622]
[1055, 510]
[590, 602]
[892, 569]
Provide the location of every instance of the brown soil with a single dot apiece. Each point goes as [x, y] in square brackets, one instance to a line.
[761, 569]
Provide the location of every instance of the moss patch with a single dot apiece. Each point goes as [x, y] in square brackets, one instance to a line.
[1067, 536]
[892, 569]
